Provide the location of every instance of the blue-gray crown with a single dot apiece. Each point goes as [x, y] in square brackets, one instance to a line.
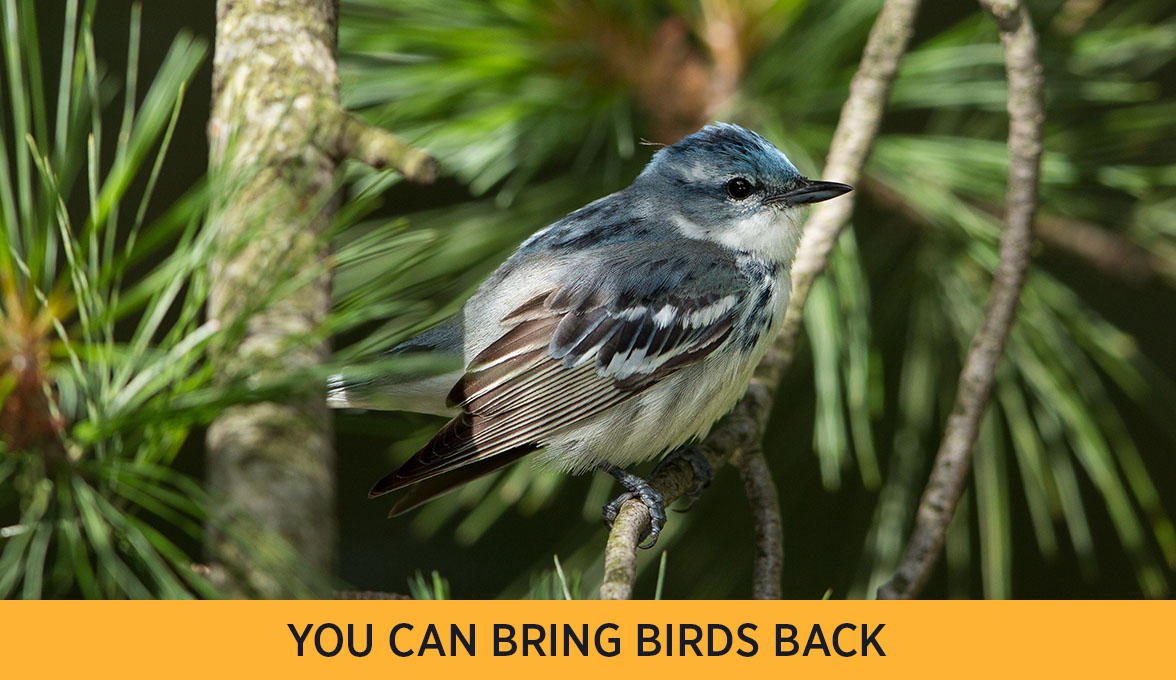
[726, 149]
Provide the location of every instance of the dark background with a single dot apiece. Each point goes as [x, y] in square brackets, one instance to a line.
[823, 531]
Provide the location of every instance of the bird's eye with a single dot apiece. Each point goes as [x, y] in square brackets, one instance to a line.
[739, 188]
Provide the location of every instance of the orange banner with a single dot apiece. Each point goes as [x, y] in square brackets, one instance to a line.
[584, 639]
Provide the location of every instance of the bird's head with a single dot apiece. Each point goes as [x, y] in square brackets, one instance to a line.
[730, 185]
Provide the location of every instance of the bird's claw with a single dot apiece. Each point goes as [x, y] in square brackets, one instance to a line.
[640, 490]
[657, 513]
[703, 472]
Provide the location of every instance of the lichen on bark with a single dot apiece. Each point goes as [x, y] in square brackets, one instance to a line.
[272, 462]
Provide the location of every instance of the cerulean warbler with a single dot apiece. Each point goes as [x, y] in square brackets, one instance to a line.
[619, 333]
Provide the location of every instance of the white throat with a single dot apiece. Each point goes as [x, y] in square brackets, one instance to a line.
[771, 235]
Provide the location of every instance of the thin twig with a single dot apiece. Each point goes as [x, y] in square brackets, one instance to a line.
[1110, 253]
[743, 428]
[345, 136]
[731, 437]
[1105, 251]
[369, 595]
[769, 532]
[975, 386]
[856, 130]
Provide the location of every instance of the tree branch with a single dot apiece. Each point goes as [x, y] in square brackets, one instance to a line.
[1107, 252]
[369, 595]
[769, 533]
[343, 135]
[1110, 253]
[272, 463]
[731, 437]
[952, 462]
[743, 428]
[856, 130]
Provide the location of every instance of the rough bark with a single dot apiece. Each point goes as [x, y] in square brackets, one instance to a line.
[277, 135]
[272, 462]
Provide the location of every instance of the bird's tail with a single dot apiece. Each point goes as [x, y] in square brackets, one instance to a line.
[394, 386]
[337, 392]
[414, 394]
[430, 488]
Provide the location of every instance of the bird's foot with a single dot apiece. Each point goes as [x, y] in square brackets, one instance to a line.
[703, 472]
[639, 489]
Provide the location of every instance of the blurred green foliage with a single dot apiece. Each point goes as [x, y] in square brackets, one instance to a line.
[536, 108]
[91, 423]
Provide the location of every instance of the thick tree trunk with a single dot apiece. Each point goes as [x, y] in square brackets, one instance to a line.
[275, 86]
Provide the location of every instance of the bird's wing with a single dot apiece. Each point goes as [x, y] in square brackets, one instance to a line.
[626, 316]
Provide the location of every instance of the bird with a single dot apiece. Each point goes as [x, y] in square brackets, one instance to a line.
[619, 333]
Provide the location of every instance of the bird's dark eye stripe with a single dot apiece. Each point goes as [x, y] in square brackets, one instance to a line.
[739, 188]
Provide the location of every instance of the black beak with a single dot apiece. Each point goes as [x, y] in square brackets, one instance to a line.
[811, 191]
